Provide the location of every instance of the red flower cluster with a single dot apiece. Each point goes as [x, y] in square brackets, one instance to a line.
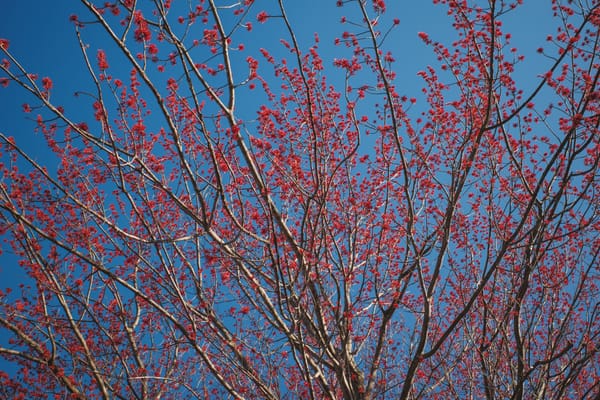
[262, 17]
[47, 83]
[142, 32]
[102, 63]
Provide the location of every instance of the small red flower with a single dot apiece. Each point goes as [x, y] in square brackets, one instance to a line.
[47, 83]
[379, 5]
[152, 49]
[4, 44]
[142, 31]
[102, 63]
[424, 37]
[262, 17]
[225, 275]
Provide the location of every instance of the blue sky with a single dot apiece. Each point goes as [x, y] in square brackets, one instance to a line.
[44, 41]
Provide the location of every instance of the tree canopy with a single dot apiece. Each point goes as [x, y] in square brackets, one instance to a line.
[222, 213]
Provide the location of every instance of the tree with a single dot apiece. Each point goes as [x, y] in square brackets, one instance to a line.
[228, 221]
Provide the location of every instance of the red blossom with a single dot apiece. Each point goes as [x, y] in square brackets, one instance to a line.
[379, 5]
[424, 37]
[152, 49]
[262, 17]
[210, 37]
[75, 19]
[102, 63]
[142, 31]
[311, 231]
[47, 83]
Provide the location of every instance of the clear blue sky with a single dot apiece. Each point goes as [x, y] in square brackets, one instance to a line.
[42, 38]
[44, 41]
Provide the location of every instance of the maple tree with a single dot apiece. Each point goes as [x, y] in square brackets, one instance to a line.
[231, 221]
